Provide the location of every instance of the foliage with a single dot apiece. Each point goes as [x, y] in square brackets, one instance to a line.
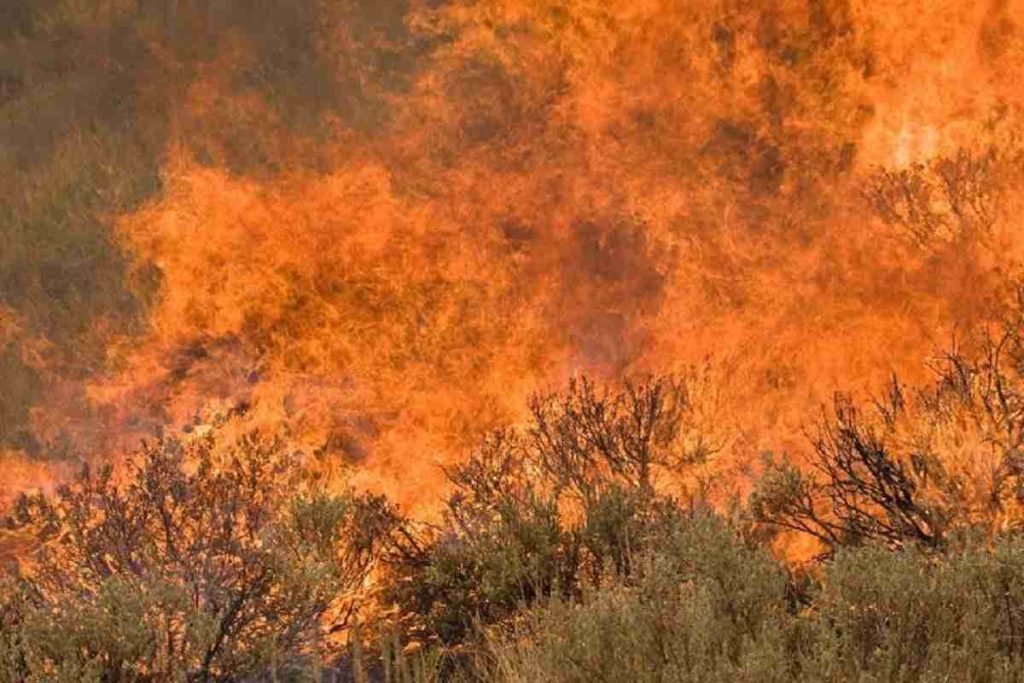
[570, 566]
[545, 510]
[704, 608]
[907, 617]
[878, 615]
[196, 563]
[558, 558]
[921, 465]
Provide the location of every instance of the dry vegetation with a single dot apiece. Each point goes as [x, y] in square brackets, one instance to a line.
[559, 557]
[569, 546]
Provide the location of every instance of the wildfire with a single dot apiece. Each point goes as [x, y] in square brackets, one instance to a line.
[610, 187]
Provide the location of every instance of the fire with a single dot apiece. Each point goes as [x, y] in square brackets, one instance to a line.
[609, 187]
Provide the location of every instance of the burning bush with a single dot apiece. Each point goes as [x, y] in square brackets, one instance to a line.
[565, 502]
[926, 464]
[197, 562]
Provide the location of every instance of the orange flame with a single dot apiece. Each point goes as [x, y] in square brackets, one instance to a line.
[610, 187]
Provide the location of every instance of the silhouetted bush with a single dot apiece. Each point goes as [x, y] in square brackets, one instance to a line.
[948, 199]
[560, 556]
[918, 467]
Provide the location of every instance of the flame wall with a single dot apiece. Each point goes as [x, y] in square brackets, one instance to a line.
[378, 226]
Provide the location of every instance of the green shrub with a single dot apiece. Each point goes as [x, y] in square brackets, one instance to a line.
[544, 511]
[703, 607]
[708, 608]
[902, 616]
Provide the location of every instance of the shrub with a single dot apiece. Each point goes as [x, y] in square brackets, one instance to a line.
[545, 510]
[196, 563]
[919, 467]
[904, 616]
[704, 607]
[712, 609]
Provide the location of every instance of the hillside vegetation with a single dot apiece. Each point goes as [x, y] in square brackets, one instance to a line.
[561, 556]
[315, 262]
